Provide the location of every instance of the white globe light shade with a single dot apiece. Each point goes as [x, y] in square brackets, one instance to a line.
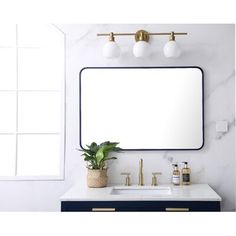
[171, 49]
[111, 50]
[141, 49]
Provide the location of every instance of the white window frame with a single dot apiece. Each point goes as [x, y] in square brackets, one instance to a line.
[61, 176]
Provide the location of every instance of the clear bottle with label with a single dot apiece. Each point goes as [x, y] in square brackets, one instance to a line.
[176, 175]
[186, 171]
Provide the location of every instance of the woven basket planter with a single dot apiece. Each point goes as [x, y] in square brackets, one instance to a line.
[97, 178]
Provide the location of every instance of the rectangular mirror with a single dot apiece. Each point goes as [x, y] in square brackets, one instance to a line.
[148, 108]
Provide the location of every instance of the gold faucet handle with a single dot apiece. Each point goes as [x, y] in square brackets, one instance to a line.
[127, 178]
[156, 173]
[154, 178]
[125, 173]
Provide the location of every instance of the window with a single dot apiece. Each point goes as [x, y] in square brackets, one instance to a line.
[32, 93]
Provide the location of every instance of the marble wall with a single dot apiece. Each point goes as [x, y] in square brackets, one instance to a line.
[208, 46]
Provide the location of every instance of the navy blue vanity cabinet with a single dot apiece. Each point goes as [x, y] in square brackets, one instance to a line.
[132, 206]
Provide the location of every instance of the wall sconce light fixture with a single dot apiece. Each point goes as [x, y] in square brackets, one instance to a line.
[111, 49]
[171, 48]
[141, 47]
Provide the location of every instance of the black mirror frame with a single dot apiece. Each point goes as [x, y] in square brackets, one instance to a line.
[145, 67]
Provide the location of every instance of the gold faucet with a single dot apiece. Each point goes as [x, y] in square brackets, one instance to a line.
[140, 177]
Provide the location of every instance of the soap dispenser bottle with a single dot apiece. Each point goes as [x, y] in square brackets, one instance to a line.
[176, 175]
[186, 171]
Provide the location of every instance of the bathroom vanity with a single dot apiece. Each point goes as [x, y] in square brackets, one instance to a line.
[196, 197]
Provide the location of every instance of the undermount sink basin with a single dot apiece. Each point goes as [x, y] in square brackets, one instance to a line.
[141, 190]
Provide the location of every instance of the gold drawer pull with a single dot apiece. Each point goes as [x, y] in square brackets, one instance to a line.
[177, 209]
[103, 209]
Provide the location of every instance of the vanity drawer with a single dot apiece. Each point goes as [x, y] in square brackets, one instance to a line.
[128, 206]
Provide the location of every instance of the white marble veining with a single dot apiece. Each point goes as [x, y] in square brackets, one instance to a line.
[195, 192]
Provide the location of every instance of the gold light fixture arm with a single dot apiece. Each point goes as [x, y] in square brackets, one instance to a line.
[145, 33]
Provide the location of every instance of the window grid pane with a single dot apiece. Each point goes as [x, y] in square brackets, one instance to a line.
[39, 112]
[7, 155]
[8, 112]
[38, 155]
[7, 68]
[57, 85]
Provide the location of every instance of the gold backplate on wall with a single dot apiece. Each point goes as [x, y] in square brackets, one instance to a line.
[142, 35]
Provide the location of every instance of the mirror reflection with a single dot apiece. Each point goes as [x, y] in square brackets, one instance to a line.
[142, 108]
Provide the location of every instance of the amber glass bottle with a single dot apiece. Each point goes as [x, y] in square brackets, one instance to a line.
[186, 171]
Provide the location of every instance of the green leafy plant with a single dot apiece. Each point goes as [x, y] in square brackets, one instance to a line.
[97, 155]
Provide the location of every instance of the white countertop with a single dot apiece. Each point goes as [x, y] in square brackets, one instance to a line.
[194, 192]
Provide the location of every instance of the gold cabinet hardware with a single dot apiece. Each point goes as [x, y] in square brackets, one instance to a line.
[103, 209]
[127, 178]
[154, 178]
[177, 209]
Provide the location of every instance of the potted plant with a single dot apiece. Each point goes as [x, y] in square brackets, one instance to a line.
[96, 157]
